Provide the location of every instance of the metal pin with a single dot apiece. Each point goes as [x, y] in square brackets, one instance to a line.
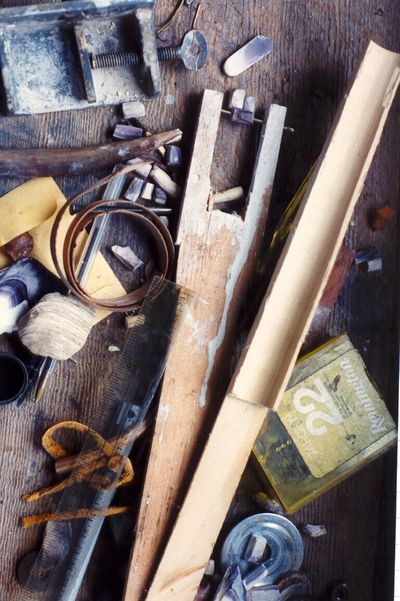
[255, 120]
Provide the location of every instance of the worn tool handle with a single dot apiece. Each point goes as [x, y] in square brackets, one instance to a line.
[40, 162]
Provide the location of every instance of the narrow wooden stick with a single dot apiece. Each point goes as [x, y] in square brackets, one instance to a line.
[274, 342]
[73, 161]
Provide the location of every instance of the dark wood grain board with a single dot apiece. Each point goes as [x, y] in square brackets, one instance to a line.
[317, 46]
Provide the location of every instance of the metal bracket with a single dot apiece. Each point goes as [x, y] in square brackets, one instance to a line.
[45, 48]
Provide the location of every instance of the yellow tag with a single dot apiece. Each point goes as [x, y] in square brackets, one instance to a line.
[33, 207]
[334, 414]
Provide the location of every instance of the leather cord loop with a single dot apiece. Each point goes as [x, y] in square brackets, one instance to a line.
[65, 267]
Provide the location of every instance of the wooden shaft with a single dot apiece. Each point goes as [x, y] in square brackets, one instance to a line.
[73, 161]
[281, 324]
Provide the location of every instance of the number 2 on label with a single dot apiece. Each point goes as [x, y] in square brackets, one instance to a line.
[313, 414]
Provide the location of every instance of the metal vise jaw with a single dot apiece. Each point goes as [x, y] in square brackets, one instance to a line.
[45, 49]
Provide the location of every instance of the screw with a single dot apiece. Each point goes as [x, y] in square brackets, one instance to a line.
[193, 53]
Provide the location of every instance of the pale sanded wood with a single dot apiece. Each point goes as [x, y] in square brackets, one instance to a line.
[216, 257]
[281, 324]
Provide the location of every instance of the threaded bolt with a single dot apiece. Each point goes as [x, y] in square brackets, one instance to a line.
[192, 52]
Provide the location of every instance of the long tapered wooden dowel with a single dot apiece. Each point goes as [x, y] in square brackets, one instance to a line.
[73, 161]
[281, 325]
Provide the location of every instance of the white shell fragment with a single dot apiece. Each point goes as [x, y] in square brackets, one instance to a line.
[10, 315]
[255, 548]
[143, 170]
[248, 55]
[113, 349]
[250, 104]
[164, 181]
[133, 110]
[210, 568]
[127, 257]
[147, 191]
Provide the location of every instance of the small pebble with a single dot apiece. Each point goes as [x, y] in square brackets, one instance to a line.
[365, 254]
[378, 218]
[242, 117]
[170, 100]
[147, 191]
[134, 189]
[127, 132]
[237, 99]
[371, 265]
[133, 110]
[143, 170]
[173, 156]
[159, 196]
[315, 530]
[255, 548]
[113, 349]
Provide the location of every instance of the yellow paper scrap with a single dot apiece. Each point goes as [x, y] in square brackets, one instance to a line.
[32, 207]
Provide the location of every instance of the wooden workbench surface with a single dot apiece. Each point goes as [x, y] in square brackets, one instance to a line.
[317, 45]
